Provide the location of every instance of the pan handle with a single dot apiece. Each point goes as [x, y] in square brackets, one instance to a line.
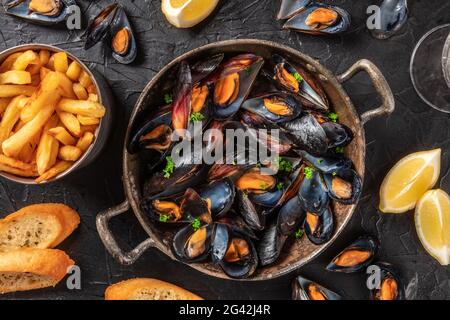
[380, 84]
[125, 258]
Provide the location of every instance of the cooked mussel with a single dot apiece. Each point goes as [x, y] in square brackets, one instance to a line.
[123, 42]
[327, 164]
[313, 196]
[304, 289]
[255, 181]
[356, 256]
[338, 134]
[290, 217]
[46, 12]
[300, 82]
[203, 68]
[344, 186]
[270, 245]
[319, 228]
[219, 195]
[393, 16]
[100, 26]
[250, 212]
[193, 207]
[274, 107]
[193, 243]
[182, 104]
[320, 19]
[390, 286]
[166, 211]
[290, 8]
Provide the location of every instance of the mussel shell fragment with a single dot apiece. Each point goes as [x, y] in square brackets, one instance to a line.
[290, 8]
[319, 228]
[345, 186]
[320, 19]
[123, 42]
[220, 196]
[49, 13]
[275, 107]
[191, 246]
[270, 245]
[313, 195]
[304, 289]
[391, 286]
[356, 257]
[393, 16]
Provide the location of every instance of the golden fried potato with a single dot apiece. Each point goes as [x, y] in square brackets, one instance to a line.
[82, 107]
[71, 122]
[57, 169]
[25, 59]
[65, 86]
[51, 63]
[85, 141]
[44, 57]
[61, 62]
[93, 97]
[62, 135]
[14, 163]
[88, 121]
[85, 79]
[43, 72]
[9, 61]
[28, 152]
[4, 102]
[48, 147]
[74, 71]
[70, 153]
[15, 77]
[80, 91]
[9, 119]
[12, 90]
[18, 172]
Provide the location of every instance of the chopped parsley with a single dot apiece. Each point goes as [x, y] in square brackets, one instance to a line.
[334, 174]
[168, 170]
[298, 77]
[319, 161]
[299, 233]
[284, 165]
[340, 149]
[168, 98]
[280, 185]
[196, 117]
[164, 218]
[196, 224]
[333, 116]
[308, 172]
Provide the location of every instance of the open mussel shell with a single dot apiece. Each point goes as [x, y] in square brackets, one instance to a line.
[290, 8]
[203, 68]
[194, 207]
[320, 19]
[313, 195]
[304, 289]
[219, 195]
[193, 245]
[236, 223]
[123, 41]
[319, 228]
[274, 107]
[270, 245]
[344, 186]
[163, 210]
[390, 286]
[356, 257]
[40, 12]
[100, 26]
[338, 135]
[393, 16]
[299, 82]
[327, 164]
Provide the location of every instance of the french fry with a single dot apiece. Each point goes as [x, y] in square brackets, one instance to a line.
[23, 101]
[28, 152]
[35, 80]
[65, 86]
[43, 72]
[9, 61]
[85, 79]
[44, 57]
[85, 141]
[88, 121]
[15, 77]
[92, 89]
[10, 117]
[71, 122]
[12, 90]
[48, 147]
[34, 69]
[51, 63]
[58, 168]
[93, 97]
[61, 62]
[70, 153]
[80, 91]
[14, 144]
[82, 107]
[25, 59]
[18, 172]
[4, 102]
[91, 129]
[74, 71]
[14, 163]
[62, 135]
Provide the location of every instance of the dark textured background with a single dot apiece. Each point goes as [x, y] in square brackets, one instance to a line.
[412, 127]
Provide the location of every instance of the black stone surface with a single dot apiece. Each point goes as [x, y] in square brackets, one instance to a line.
[412, 127]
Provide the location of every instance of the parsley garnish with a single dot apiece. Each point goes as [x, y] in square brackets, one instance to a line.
[298, 77]
[334, 174]
[280, 185]
[168, 98]
[299, 234]
[164, 218]
[333, 116]
[284, 165]
[168, 170]
[308, 172]
[196, 224]
[319, 161]
[340, 149]
[196, 117]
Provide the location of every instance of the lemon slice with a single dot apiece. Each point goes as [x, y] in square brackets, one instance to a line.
[408, 180]
[433, 224]
[187, 13]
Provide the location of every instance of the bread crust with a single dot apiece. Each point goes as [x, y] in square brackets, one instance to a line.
[125, 290]
[42, 262]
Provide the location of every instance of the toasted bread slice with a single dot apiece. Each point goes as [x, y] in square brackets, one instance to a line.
[31, 268]
[37, 226]
[147, 289]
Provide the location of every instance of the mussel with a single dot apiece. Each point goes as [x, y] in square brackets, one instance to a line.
[274, 107]
[327, 164]
[250, 212]
[167, 211]
[344, 186]
[393, 16]
[313, 196]
[356, 256]
[46, 12]
[290, 217]
[338, 134]
[290, 8]
[182, 104]
[300, 82]
[304, 289]
[390, 286]
[219, 195]
[319, 228]
[193, 243]
[270, 245]
[320, 19]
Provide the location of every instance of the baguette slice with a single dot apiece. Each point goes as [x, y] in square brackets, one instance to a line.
[147, 289]
[30, 268]
[37, 226]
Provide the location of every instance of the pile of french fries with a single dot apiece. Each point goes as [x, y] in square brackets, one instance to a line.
[49, 113]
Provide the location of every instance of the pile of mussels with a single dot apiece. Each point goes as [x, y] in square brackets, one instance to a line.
[234, 215]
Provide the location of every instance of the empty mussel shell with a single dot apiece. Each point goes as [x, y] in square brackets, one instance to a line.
[356, 257]
[290, 8]
[393, 16]
[48, 12]
[319, 228]
[304, 289]
[344, 186]
[320, 19]
[390, 286]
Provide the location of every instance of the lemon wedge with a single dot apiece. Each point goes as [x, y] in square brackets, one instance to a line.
[408, 180]
[187, 13]
[432, 220]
